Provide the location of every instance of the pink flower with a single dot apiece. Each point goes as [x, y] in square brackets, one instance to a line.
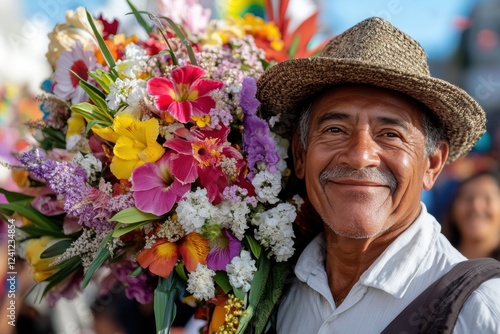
[155, 189]
[67, 84]
[186, 95]
[226, 247]
[206, 155]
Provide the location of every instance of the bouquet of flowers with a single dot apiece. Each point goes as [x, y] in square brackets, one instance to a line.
[154, 168]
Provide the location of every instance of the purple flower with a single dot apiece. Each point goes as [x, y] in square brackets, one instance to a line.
[49, 205]
[62, 177]
[225, 249]
[248, 101]
[257, 143]
[91, 206]
[69, 288]
[140, 288]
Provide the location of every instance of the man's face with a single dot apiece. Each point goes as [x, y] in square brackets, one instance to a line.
[364, 166]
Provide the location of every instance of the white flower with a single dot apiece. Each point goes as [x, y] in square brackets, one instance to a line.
[267, 186]
[299, 201]
[72, 142]
[79, 61]
[201, 283]
[241, 270]
[89, 163]
[233, 215]
[135, 61]
[275, 230]
[194, 210]
[127, 91]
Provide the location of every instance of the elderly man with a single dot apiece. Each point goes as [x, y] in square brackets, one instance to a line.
[374, 129]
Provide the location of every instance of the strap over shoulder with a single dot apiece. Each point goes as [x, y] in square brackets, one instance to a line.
[436, 309]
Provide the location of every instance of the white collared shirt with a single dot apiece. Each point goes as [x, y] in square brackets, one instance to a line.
[412, 262]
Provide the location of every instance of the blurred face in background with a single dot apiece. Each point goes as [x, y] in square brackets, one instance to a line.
[476, 210]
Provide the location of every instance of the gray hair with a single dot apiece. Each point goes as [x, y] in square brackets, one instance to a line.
[433, 128]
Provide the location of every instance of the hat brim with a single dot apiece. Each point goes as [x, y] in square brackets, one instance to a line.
[286, 87]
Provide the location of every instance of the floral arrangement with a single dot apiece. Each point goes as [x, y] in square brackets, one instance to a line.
[153, 167]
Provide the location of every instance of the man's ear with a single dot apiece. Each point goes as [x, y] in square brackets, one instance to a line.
[298, 154]
[436, 162]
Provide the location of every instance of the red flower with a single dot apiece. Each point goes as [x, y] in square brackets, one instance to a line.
[185, 95]
[206, 155]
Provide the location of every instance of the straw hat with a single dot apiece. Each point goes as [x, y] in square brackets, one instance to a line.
[372, 52]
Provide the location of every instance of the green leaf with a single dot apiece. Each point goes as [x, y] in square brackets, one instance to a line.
[238, 293]
[255, 247]
[180, 270]
[272, 294]
[223, 281]
[95, 122]
[136, 272]
[183, 39]
[293, 47]
[140, 19]
[67, 267]
[118, 232]
[56, 249]
[255, 294]
[259, 279]
[14, 196]
[168, 290]
[101, 257]
[103, 47]
[91, 112]
[133, 215]
[25, 209]
[53, 138]
[103, 79]
[37, 232]
[97, 97]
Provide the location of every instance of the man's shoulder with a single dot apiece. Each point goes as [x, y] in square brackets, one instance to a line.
[481, 310]
[488, 293]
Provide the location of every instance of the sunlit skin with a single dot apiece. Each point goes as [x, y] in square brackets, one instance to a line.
[476, 212]
[363, 127]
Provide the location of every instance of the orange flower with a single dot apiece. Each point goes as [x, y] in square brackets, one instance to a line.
[218, 319]
[162, 257]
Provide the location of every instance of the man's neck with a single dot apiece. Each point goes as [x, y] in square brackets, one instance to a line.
[347, 259]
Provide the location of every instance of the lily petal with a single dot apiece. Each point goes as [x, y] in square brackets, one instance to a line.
[193, 249]
[160, 259]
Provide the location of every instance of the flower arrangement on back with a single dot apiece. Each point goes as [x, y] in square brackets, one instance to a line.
[153, 162]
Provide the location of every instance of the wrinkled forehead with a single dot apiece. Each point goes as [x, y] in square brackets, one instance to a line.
[358, 94]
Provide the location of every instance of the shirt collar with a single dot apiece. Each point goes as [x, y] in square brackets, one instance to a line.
[396, 266]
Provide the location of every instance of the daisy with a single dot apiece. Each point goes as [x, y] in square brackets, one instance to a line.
[78, 61]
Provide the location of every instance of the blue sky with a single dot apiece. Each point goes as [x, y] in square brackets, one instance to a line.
[430, 22]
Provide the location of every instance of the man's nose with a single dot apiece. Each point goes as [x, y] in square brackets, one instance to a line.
[362, 151]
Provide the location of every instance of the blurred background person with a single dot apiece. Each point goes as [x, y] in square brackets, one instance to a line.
[473, 222]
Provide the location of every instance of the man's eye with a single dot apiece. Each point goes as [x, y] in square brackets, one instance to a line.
[334, 130]
[391, 135]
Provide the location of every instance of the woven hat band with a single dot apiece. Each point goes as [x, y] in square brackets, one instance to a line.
[384, 45]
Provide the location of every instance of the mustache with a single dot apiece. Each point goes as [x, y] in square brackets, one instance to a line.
[369, 174]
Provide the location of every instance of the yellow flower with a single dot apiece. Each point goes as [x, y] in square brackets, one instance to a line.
[201, 121]
[261, 29]
[219, 32]
[135, 143]
[40, 268]
[75, 125]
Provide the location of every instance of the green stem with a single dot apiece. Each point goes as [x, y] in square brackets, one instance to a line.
[166, 293]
